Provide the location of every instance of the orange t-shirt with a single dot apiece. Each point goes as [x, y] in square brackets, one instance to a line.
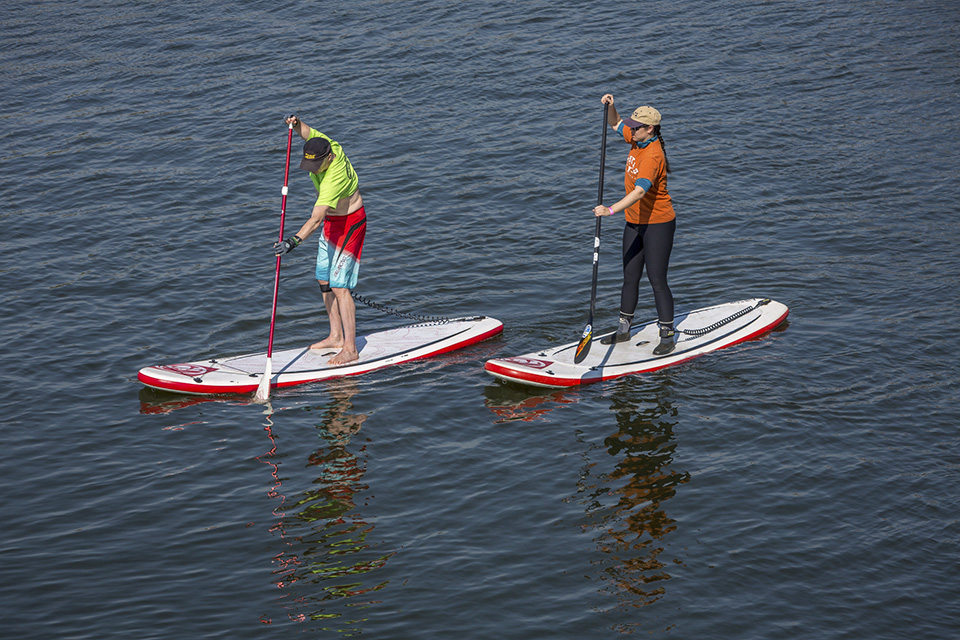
[647, 163]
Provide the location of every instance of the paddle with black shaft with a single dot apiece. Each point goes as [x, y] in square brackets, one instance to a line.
[583, 348]
[263, 390]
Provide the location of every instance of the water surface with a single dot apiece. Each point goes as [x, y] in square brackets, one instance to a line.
[803, 485]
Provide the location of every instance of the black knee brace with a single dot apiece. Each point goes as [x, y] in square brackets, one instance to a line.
[325, 288]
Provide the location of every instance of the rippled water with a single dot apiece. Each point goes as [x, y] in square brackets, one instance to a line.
[803, 485]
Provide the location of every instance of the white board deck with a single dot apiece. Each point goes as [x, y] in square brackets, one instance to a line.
[241, 374]
[555, 367]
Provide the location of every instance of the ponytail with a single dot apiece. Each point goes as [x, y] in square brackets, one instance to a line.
[663, 145]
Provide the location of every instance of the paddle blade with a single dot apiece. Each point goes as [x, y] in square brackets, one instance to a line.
[583, 348]
[263, 391]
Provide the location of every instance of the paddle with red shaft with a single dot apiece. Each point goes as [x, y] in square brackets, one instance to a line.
[263, 391]
[583, 347]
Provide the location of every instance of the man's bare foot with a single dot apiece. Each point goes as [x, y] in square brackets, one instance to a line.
[327, 343]
[344, 357]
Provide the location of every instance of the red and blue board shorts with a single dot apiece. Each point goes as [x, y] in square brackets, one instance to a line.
[341, 243]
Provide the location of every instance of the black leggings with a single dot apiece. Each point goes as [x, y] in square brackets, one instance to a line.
[650, 245]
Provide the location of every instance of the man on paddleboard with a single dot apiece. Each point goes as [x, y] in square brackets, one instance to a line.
[650, 220]
[339, 212]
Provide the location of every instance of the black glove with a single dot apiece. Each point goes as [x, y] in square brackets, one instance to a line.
[286, 246]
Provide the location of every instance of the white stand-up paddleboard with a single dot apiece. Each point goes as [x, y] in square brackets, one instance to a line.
[241, 374]
[698, 332]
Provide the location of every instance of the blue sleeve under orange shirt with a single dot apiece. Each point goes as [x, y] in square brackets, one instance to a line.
[646, 168]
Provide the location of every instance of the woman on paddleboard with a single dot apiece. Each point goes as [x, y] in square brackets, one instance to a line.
[339, 212]
[650, 220]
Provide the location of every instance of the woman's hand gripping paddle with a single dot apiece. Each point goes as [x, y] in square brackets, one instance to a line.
[583, 348]
[263, 390]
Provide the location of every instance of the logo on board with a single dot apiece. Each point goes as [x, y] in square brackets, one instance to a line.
[533, 363]
[187, 369]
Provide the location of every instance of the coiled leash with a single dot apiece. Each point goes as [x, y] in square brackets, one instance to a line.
[401, 314]
[716, 325]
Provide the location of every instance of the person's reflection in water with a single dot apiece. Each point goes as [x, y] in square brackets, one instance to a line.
[327, 534]
[626, 504]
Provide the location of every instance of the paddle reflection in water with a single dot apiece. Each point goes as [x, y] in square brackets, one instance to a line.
[325, 568]
[625, 488]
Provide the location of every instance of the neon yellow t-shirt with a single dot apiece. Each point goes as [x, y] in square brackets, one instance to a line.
[338, 181]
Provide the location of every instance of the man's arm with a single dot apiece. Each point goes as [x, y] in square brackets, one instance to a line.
[315, 222]
[299, 126]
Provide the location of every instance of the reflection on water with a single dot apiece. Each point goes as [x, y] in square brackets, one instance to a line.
[326, 566]
[512, 403]
[154, 401]
[624, 486]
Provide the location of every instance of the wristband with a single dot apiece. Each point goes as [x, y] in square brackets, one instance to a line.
[296, 240]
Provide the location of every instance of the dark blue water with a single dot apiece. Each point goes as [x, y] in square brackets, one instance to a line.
[803, 485]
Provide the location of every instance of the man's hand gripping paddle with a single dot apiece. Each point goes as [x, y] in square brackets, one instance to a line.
[583, 348]
[263, 390]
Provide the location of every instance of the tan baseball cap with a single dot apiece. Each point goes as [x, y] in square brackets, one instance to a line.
[643, 115]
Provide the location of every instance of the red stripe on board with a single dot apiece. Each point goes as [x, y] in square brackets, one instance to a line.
[192, 387]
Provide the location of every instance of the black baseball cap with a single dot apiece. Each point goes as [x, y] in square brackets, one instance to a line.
[315, 151]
